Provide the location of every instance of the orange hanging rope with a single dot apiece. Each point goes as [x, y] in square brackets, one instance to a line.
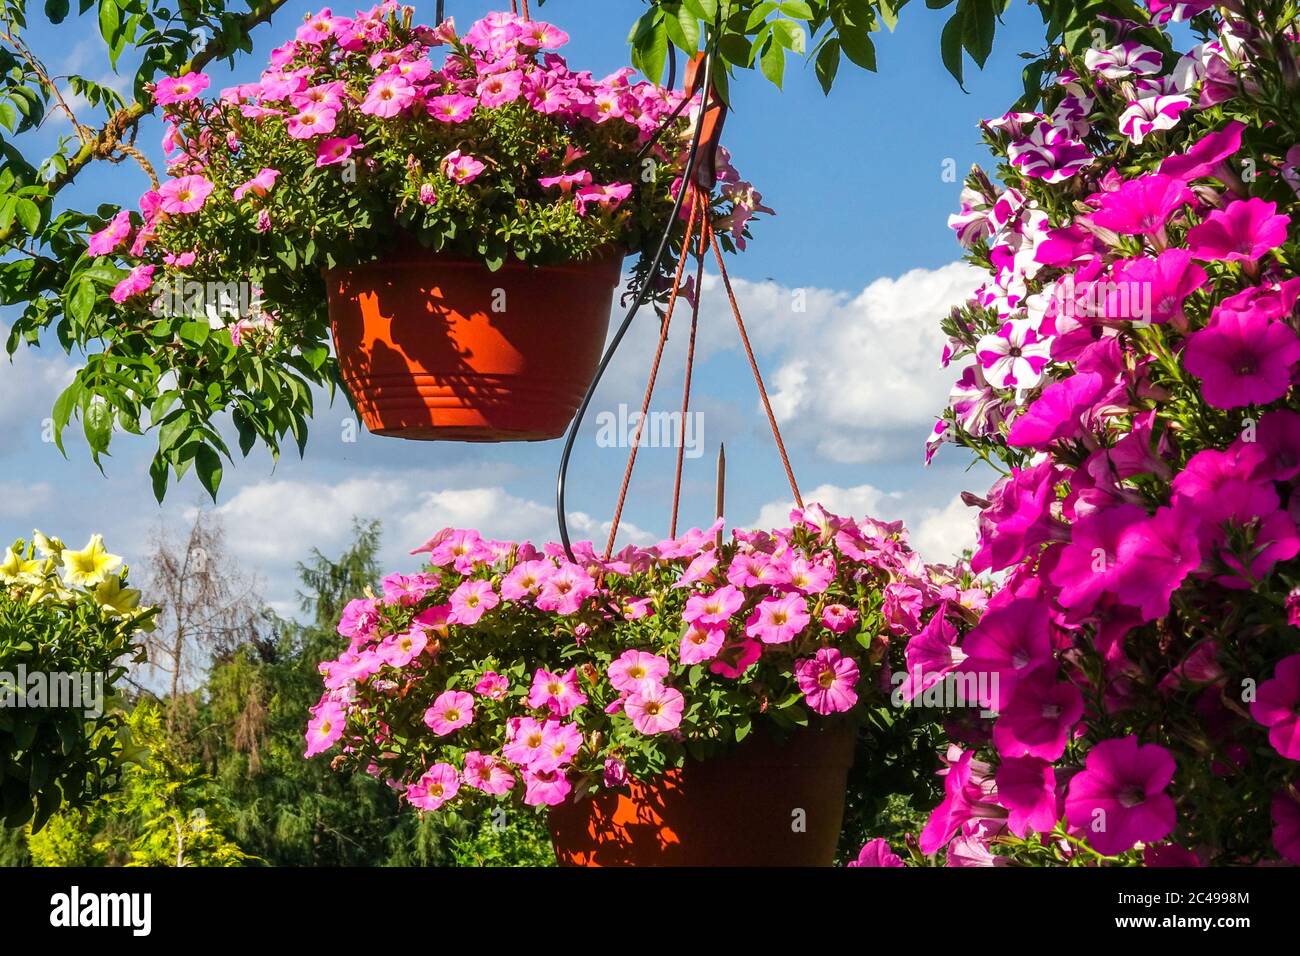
[753, 363]
[514, 8]
[686, 382]
[695, 209]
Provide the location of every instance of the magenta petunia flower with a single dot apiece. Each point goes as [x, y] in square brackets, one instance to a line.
[1205, 157]
[1285, 812]
[180, 89]
[1242, 358]
[655, 709]
[736, 657]
[877, 853]
[1019, 517]
[1278, 439]
[318, 28]
[1164, 283]
[1027, 788]
[1010, 642]
[1057, 413]
[184, 195]
[1277, 707]
[1119, 799]
[1142, 206]
[1156, 555]
[931, 655]
[1244, 231]
[838, 619]
[828, 680]
[1039, 718]
[607, 198]
[778, 620]
[451, 710]
[1089, 566]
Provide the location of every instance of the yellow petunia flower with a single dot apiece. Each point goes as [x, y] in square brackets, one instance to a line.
[89, 566]
[15, 566]
[111, 596]
[48, 547]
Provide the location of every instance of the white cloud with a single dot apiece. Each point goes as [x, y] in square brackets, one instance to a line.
[18, 500]
[942, 534]
[29, 384]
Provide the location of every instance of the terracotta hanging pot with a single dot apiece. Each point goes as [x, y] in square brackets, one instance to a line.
[432, 346]
[763, 804]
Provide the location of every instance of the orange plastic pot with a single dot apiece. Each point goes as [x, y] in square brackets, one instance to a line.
[762, 804]
[436, 347]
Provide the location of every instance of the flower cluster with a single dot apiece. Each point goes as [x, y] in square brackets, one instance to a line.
[353, 140]
[501, 669]
[68, 625]
[1131, 367]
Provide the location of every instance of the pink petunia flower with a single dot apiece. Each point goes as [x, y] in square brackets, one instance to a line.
[838, 619]
[564, 589]
[180, 89]
[566, 181]
[111, 236]
[557, 692]
[325, 729]
[461, 168]
[438, 784]
[828, 680]
[487, 773]
[1027, 788]
[137, 281]
[471, 600]
[545, 787]
[387, 96]
[1011, 641]
[398, 650]
[713, 609]
[259, 185]
[1243, 232]
[608, 197]
[1277, 707]
[184, 195]
[311, 121]
[1119, 799]
[655, 709]
[877, 853]
[701, 644]
[1157, 554]
[335, 150]
[632, 668]
[451, 710]
[492, 685]
[1142, 206]
[525, 579]
[451, 108]
[499, 89]
[778, 620]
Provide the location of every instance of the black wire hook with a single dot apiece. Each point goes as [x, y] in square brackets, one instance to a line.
[688, 173]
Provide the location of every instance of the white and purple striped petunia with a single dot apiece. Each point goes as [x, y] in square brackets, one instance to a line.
[1125, 59]
[1050, 153]
[1151, 114]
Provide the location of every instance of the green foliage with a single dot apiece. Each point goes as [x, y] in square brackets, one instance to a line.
[63, 648]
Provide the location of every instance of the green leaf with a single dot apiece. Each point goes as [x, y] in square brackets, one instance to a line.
[8, 116]
[82, 302]
[56, 10]
[29, 216]
[207, 463]
[950, 48]
[859, 47]
[772, 63]
[797, 9]
[194, 333]
[63, 406]
[978, 29]
[790, 35]
[97, 423]
[827, 64]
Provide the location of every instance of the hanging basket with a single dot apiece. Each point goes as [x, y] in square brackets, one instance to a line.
[436, 347]
[763, 804]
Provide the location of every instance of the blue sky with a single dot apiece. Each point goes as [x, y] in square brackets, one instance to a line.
[857, 183]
